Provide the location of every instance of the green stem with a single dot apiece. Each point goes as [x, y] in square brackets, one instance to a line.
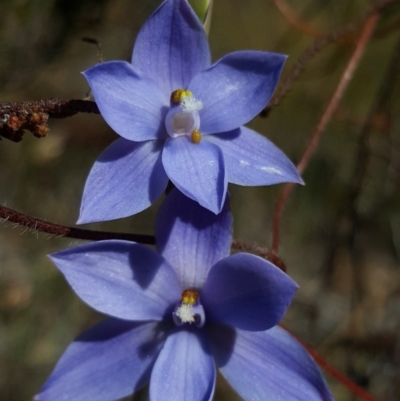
[203, 9]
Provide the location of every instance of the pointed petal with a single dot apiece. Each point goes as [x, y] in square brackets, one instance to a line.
[197, 170]
[184, 370]
[251, 159]
[120, 278]
[191, 238]
[172, 47]
[236, 89]
[126, 179]
[247, 292]
[267, 365]
[109, 361]
[131, 105]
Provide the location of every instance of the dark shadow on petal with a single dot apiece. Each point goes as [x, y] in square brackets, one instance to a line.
[117, 150]
[222, 342]
[144, 268]
[122, 148]
[227, 136]
[107, 329]
[162, 131]
[160, 334]
[158, 179]
[179, 207]
[153, 346]
[111, 327]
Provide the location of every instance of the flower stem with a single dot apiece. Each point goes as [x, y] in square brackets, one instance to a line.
[203, 9]
[331, 370]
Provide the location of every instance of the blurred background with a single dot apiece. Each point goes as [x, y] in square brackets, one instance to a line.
[340, 235]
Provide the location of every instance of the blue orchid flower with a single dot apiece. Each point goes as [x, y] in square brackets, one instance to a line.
[178, 315]
[181, 119]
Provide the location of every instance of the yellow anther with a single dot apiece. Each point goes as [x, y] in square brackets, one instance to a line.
[178, 95]
[189, 297]
[196, 136]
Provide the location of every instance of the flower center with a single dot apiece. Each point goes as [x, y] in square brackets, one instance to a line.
[189, 310]
[183, 117]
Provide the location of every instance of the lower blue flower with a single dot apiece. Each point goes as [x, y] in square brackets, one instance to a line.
[178, 315]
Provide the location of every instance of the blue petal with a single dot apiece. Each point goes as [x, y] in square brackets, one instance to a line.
[267, 365]
[126, 179]
[236, 89]
[184, 370]
[251, 159]
[109, 361]
[132, 106]
[197, 170]
[191, 238]
[172, 47]
[247, 292]
[120, 278]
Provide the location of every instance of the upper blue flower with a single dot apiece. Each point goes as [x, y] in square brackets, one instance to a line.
[179, 314]
[180, 118]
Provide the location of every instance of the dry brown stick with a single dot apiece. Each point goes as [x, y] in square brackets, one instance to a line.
[58, 230]
[33, 116]
[37, 225]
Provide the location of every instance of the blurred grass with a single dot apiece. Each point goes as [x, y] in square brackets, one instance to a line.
[340, 233]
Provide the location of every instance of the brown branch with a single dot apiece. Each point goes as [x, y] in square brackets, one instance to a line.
[326, 117]
[57, 230]
[33, 116]
[37, 225]
[259, 251]
[318, 45]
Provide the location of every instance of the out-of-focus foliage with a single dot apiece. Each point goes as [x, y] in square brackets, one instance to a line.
[340, 233]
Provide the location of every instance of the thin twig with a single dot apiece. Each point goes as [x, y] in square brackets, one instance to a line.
[57, 230]
[300, 25]
[350, 37]
[326, 117]
[331, 370]
[97, 43]
[318, 45]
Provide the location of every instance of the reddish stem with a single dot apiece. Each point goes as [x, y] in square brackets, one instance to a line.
[58, 230]
[326, 117]
[289, 15]
[342, 34]
[37, 225]
[331, 370]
